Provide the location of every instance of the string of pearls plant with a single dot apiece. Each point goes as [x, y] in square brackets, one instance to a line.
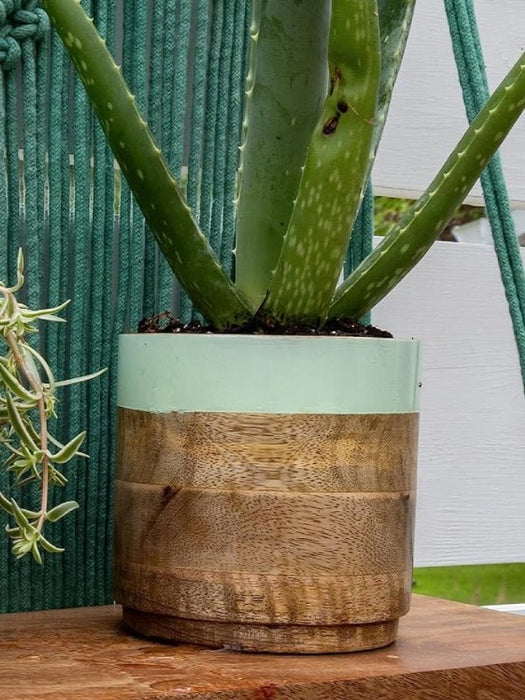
[27, 403]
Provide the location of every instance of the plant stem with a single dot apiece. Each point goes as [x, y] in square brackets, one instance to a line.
[45, 463]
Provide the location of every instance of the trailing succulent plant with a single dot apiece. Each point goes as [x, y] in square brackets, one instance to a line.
[27, 404]
[321, 74]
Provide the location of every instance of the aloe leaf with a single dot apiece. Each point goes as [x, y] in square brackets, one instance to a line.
[335, 170]
[395, 18]
[157, 192]
[285, 90]
[410, 239]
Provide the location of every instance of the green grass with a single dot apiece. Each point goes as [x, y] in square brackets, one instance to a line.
[491, 584]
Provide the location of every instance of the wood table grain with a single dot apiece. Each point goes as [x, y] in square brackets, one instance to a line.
[445, 651]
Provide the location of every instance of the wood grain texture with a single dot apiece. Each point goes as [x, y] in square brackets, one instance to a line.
[323, 539]
[427, 115]
[274, 638]
[283, 452]
[444, 651]
[471, 480]
[243, 596]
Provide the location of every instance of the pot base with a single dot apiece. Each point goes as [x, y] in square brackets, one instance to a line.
[280, 639]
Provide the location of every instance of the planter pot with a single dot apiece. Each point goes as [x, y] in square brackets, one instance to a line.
[265, 489]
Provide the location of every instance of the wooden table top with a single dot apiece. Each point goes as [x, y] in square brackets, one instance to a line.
[445, 651]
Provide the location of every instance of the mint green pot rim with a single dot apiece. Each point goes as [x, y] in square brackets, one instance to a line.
[229, 373]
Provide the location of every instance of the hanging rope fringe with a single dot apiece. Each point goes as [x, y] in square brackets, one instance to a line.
[469, 59]
[361, 242]
[63, 200]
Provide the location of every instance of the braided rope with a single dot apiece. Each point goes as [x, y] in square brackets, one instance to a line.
[20, 21]
[469, 59]
[361, 241]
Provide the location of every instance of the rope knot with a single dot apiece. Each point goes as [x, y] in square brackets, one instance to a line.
[19, 20]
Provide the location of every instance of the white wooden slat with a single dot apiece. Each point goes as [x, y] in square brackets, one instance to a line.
[471, 487]
[427, 116]
[515, 608]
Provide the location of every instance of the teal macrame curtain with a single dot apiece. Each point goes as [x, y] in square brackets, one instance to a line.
[64, 201]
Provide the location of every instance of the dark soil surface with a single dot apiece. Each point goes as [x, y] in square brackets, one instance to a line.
[167, 323]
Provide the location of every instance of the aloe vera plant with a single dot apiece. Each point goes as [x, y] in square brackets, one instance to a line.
[320, 78]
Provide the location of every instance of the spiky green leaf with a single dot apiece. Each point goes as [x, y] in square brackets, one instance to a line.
[60, 445]
[395, 18]
[281, 109]
[410, 239]
[335, 171]
[157, 192]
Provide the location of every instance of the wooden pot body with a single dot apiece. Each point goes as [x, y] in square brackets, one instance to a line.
[269, 529]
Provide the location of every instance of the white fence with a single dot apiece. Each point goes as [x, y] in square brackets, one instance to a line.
[427, 115]
[471, 501]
